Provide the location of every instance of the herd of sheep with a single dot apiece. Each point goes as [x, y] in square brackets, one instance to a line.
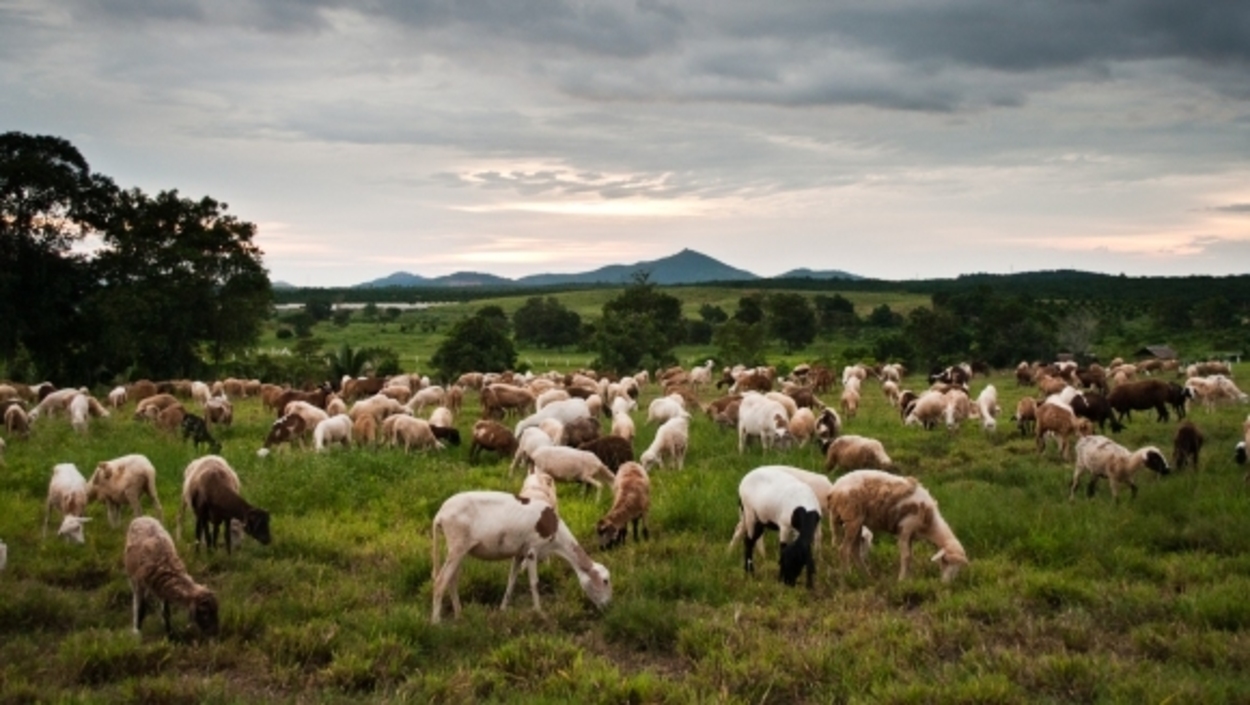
[558, 437]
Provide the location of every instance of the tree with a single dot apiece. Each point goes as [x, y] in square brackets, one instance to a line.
[546, 323]
[319, 309]
[750, 309]
[1215, 314]
[342, 317]
[834, 312]
[639, 328]
[177, 275]
[369, 312]
[713, 315]
[791, 320]
[475, 343]
[740, 342]
[883, 317]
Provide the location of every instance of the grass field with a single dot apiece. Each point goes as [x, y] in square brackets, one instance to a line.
[1144, 601]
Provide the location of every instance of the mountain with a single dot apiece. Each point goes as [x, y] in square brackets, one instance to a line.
[805, 273]
[685, 267]
[282, 285]
[396, 279]
[469, 279]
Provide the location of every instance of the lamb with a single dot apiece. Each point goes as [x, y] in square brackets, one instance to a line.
[490, 435]
[154, 569]
[572, 465]
[880, 501]
[631, 500]
[802, 426]
[410, 432]
[211, 488]
[850, 402]
[502, 526]
[762, 417]
[67, 491]
[124, 479]
[854, 452]
[1102, 457]
[195, 428]
[1058, 420]
[769, 496]
[1186, 445]
[336, 429]
[672, 440]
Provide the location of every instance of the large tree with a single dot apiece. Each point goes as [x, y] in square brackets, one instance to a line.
[546, 323]
[476, 343]
[791, 320]
[639, 328]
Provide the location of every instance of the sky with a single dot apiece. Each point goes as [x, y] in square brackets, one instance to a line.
[895, 139]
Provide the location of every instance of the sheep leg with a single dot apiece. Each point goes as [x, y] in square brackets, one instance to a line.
[1076, 481]
[447, 576]
[850, 545]
[138, 607]
[169, 630]
[532, 560]
[904, 554]
[512, 571]
[1093, 481]
[752, 535]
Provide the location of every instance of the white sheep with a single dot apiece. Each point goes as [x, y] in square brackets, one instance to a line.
[664, 408]
[850, 402]
[897, 505]
[502, 526]
[958, 408]
[117, 397]
[541, 486]
[410, 432]
[155, 570]
[987, 407]
[124, 480]
[562, 411]
[1102, 457]
[927, 410]
[572, 465]
[55, 402]
[762, 417]
[769, 496]
[336, 429]
[531, 440]
[428, 396]
[623, 426]
[1214, 389]
[442, 416]
[672, 440]
[67, 492]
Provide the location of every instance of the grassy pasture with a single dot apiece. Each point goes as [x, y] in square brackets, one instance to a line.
[1144, 601]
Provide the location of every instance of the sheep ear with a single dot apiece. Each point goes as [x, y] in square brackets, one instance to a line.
[939, 555]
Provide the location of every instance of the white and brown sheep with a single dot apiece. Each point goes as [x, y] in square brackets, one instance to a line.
[853, 452]
[1102, 457]
[503, 526]
[631, 500]
[67, 493]
[121, 481]
[1058, 420]
[336, 429]
[211, 489]
[883, 502]
[155, 570]
[490, 435]
[572, 465]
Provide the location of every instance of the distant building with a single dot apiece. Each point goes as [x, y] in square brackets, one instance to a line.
[1158, 352]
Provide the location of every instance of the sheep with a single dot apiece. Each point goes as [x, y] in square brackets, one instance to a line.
[828, 425]
[1058, 420]
[1094, 407]
[850, 402]
[987, 407]
[54, 402]
[67, 492]
[1145, 394]
[379, 407]
[154, 569]
[579, 431]
[148, 408]
[490, 435]
[540, 486]
[430, 396]
[195, 428]
[311, 413]
[81, 408]
[1186, 445]
[336, 429]
[929, 407]
[768, 496]
[287, 429]
[499, 399]
[672, 440]
[958, 407]
[124, 479]
[880, 502]
[1026, 415]
[365, 430]
[16, 422]
[220, 411]
[623, 426]
[762, 417]
[853, 452]
[1102, 457]
[664, 408]
[530, 440]
[211, 488]
[613, 451]
[442, 416]
[802, 426]
[631, 500]
[1214, 389]
[891, 391]
[410, 432]
[562, 411]
[572, 465]
[502, 526]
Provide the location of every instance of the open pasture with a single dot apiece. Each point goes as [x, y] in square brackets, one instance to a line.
[1089, 601]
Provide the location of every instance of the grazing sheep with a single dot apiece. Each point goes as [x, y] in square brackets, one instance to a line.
[336, 429]
[212, 491]
[150, 407]
[613, 451]
[442, 416]
[853, 452]
[1145, 394]
[958, 407]
[429, 396]
[880, 501]
[664, 408]
[16, 422]
[891, 391]
[195, 428]
[768, 496]
[1102, 457]
[287, 429]
[579, 431]
[1058, 420]
[1026, 415]
[531, 440]
[81, 408]
[311, 413]
[54, 402]
[446, 435]
[219, 411]
[365, 430]
[502, 526]
[803, 426]
[928, 409]
[631, 500]
[190, 476]
[561, 411]
[154, 569]
[828, 425]
[410, 432]
[117, 397]
[379, 407]
[67, 492]
[490, 435]
[572, 465]
[762, 417]
[850, 402]
[987, 407]
[623, 426]
[672, 440]
[1095, 407]
[1186, 445]
[1214, 389]
[124, 480]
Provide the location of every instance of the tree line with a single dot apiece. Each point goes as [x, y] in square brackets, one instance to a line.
[100, 282]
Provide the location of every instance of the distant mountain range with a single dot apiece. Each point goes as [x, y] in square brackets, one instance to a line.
[685, 267]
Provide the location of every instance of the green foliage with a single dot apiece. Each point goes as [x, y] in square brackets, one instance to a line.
[342, 317]
[713, 314]
[791, 320]
[638, 329]
[319, 309]
[546, 323]
[735, 340]
[834, 312]
[750, 309]
[476, 343]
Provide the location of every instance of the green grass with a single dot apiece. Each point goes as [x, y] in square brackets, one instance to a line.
[1088, 601]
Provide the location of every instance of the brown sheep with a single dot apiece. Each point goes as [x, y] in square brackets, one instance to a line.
[154, 568]
[490, 435]
[579, 431]
[1057, 419]
[1186, 445]
[1143, 394]
[631, 492]
[1026, 415]
[612, 450]
[854, 453]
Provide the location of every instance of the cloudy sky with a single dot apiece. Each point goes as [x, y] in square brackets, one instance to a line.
[891, 138]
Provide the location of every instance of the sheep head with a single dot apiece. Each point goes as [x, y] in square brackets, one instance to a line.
[204, 612]
[951, 562]
[71, 528]
[597, 584]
